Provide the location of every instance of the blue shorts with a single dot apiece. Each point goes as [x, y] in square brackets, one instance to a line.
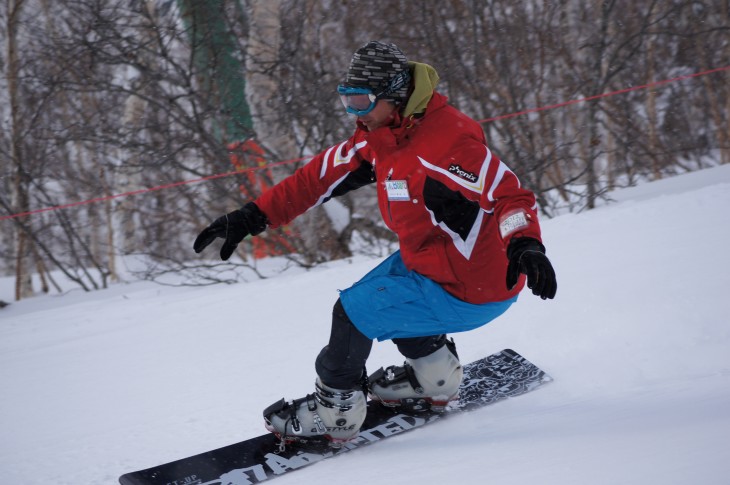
[392, 302]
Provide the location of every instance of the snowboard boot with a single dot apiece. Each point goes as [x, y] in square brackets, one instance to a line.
[429, 382]
[333, 414]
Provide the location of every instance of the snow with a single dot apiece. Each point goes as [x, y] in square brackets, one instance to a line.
[93, 385]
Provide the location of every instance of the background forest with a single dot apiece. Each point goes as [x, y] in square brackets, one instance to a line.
[107, 97]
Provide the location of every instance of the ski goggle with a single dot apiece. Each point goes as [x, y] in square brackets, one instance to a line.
[357, 101]
[361, 101]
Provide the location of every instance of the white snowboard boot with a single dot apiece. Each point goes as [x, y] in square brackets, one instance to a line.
[333, 414]
[429, 382]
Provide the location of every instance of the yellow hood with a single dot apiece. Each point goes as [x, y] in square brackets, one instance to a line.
[425, 79]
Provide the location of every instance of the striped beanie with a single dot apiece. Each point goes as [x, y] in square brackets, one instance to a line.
[375, 65]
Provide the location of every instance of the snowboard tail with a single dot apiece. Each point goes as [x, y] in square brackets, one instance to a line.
[486, 381]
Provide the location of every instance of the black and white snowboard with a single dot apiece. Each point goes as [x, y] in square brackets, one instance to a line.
[486, 381]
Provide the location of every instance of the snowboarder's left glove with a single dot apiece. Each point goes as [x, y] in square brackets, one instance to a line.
[232, 227]
[527, 255]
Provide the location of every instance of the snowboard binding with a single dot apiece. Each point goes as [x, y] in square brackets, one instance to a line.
[328, 415]
[420, 385]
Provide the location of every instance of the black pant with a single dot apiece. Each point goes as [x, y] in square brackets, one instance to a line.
[341, 363]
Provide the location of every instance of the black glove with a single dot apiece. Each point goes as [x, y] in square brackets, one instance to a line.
[527, 255]
[232, 227]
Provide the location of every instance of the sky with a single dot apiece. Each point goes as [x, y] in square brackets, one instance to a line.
[94, 385]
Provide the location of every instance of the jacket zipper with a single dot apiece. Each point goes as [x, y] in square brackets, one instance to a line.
[387, 197]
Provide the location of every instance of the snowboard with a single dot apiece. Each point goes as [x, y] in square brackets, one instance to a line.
[486, 381]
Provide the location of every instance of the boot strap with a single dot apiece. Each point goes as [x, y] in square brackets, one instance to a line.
[395, 374]
[325, 398]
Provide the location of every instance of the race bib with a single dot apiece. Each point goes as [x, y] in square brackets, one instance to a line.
[512, 223]
[397, 189]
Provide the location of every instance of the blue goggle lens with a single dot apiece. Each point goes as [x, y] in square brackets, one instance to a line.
[357, 101]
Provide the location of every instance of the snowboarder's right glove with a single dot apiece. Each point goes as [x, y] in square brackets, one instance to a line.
[527, 255]
[232, 227]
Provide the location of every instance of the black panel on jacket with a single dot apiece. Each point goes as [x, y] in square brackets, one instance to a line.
[361, 177]
[450, 207]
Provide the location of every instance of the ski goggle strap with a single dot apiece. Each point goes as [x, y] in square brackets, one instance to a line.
[361, 101]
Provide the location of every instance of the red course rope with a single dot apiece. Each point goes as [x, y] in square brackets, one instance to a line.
[151, 189]
[605, 95]
[285, 162]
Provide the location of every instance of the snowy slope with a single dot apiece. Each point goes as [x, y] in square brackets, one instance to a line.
[638, 342]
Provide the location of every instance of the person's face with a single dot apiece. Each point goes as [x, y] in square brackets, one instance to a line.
[380, 116]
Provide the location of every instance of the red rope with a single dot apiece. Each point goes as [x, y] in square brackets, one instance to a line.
[286, 162]
[151, 189]
[605, 95]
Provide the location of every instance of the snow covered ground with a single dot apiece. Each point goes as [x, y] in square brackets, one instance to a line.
[638, 342]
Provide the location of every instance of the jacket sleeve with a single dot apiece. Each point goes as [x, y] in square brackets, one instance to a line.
[331, 173]
[475, 172]
[515, 208]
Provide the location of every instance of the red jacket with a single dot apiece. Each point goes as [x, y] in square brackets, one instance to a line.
[440, 189]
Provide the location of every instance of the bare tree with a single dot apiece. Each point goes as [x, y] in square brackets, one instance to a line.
[103, 98]
[20, 201]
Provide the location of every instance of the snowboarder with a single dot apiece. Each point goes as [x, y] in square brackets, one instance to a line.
[468, 232]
